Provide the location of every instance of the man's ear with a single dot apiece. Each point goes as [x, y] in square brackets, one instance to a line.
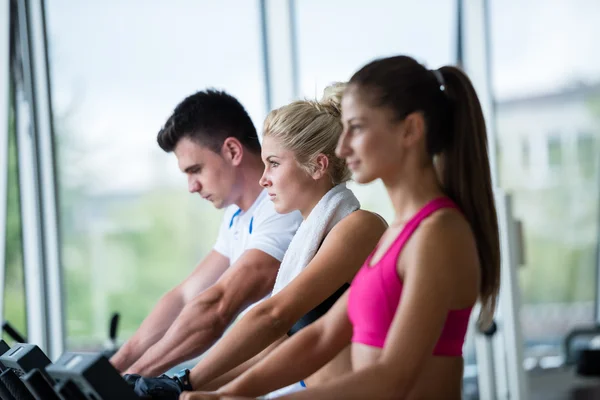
[413, 128]
[320, 165]
[233, 151]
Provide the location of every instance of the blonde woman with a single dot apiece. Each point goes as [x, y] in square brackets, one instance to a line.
[301, 173]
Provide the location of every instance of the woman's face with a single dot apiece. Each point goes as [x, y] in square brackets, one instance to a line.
[371, 142]
[289, 186]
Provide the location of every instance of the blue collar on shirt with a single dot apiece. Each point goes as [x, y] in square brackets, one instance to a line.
[235, 214]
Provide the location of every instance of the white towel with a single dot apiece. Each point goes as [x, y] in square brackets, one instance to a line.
[331, 209]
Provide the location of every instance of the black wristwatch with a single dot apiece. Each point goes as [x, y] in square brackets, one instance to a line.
[183, 377]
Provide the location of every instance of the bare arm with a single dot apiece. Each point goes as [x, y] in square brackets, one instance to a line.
[310, 349]
[204, 319]
[240, 369]
[339, 257]
[433, 278]
[206, 273]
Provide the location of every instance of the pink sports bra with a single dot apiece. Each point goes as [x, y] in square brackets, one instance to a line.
[376, 290]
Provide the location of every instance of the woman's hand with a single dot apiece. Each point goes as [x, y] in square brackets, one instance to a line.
[209, 396]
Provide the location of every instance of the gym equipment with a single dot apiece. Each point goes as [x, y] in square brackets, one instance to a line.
[69, 391]
[4, 394]
[582, 349]
[24, 357]
[589, 362]
[15, 388]
[13, 333]
[39, 386]
[11, 387]
[28, 362]
[111, 346]
[92, 375]
[3, 349]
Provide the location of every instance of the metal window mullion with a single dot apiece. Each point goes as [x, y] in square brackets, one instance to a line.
[484, 345]
[31, 234]
[278, 21]
[510, 302]
[33, 257]
[47, 178]
[597, 291]
[476, 62]
[507, 345]
[264, 34]
[293, 49]
[4, 122]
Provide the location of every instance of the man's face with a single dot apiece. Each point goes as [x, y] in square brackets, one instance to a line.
[209, 174]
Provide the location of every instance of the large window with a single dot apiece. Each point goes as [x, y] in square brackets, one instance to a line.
[547, 79]
[129, 229]
[14, 291]
[525, 154]
[587, 154]
[350, 34]
[555, 151]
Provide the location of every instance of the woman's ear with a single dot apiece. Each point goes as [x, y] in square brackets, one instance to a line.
[413, 128]
[320, 165]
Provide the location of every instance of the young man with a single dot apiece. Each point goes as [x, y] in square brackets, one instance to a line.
[217, 147]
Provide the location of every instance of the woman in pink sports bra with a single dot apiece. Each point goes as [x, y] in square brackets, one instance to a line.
[405, 316]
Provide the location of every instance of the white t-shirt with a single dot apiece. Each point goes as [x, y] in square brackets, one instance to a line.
[260, 227]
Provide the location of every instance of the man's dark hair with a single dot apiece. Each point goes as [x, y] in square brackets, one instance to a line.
[209, 117]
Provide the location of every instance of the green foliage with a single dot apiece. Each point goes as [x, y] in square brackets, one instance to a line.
[557, 272]
[139, 249]
[13, 228]
[593, 102]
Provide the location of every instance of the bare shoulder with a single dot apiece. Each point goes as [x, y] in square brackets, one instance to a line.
[360, 228]
[444, 255]
[447, 227]
[362, 221]
[444, 240]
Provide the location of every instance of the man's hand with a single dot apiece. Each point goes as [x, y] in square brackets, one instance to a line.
[158, 388]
